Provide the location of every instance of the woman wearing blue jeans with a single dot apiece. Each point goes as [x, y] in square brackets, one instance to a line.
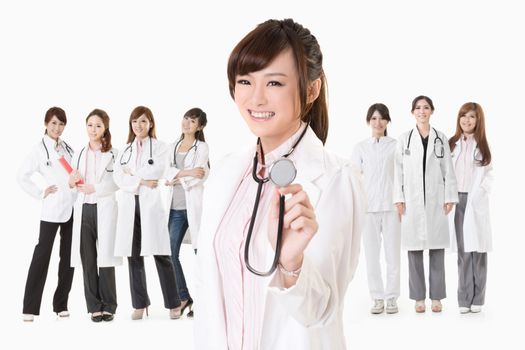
[185, 176]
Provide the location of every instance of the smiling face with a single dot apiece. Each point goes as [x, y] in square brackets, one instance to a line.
[378, 124]
[54, 128]
[269, 102]
[468, 122]
[95, 128]
[141, 127]
[422, 111]
[190, 126]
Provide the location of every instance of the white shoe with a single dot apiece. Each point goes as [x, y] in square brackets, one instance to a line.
[391, 306]
[475, 308]
[64, 313]
[464, 310]
[28, 317]
[379, 306]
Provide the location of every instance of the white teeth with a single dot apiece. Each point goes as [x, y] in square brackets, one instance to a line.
[262, 115]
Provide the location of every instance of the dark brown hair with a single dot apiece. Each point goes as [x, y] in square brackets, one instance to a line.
[421, 97]
[479, 131]
[55, 112]
[200, 115]
[269, 39]
[106, 137]
[381, 109]
[136, 114]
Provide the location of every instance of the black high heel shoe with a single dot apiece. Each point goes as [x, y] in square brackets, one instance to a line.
[96, 318]
[187, 304]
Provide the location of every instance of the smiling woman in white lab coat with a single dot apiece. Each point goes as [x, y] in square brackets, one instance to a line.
[186, 173]
[95, 217]
[142, 227]
[57, 210]
[470, 222]
[424, 192]
[374, 157]
[277, 81]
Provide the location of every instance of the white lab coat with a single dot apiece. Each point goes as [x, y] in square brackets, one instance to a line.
[477, 233]
[154, 224]
[424, 225]
[193, 187]
[308, 315]
[58, 206]
[105, 189]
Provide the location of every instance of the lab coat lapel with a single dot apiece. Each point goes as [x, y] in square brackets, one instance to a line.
[309, 159]
[430, 145]
[105, 160]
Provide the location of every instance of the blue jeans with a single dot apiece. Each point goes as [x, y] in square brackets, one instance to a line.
[178, 224]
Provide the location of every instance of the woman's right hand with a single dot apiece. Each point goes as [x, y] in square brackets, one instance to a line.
[149, 183]
[49, 190]
[400, 209]
[74, 177]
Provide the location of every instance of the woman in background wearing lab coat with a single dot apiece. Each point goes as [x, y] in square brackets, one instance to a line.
[424, 193]
[277, 81]
[471, 220]
[375, 159]
[186, 174]
[142, 227]
[57, 210]
[95, 217]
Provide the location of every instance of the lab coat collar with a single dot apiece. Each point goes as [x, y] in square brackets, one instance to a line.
[382, 139]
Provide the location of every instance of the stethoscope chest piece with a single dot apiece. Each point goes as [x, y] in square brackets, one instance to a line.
[282, 172]
[407, 152]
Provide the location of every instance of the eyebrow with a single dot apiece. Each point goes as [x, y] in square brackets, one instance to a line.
[268, 74]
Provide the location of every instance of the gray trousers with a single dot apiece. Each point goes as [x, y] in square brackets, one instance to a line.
[99, 282]
[416, 274]
[472, 266]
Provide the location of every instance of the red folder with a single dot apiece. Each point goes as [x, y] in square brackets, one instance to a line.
[68, 168]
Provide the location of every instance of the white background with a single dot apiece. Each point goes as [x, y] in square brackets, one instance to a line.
[172, 56]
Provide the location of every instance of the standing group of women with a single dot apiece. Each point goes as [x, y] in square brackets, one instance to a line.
[97, 229]
[422, 190]
[280, 235]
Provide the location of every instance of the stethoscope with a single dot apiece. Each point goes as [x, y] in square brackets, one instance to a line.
[112, 160]
[65, 146]
[130, 148]
[439, 149]
[174, 163]
[282, 172]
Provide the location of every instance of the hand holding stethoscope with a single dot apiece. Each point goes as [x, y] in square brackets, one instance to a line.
[299, 227]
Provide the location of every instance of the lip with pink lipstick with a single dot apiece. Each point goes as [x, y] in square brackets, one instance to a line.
[261, 116]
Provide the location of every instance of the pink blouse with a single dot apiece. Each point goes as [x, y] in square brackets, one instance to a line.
[465, 163]
[244, 293]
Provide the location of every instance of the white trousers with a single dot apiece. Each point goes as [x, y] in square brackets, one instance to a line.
[382, 226]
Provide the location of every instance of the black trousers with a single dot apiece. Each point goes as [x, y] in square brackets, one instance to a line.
[99, 282]
[36, 277]
[137, 272]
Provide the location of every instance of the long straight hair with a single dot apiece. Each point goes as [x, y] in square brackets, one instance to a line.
[136, 114]
[479, 131]
[269, 39]
[106, 137]
[381, 109]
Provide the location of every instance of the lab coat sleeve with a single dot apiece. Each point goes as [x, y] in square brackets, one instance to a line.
[449, 176]
[398, 195]
[201, 162]
[27, 169]
[330, 259]
[126, 182]
[107, 185]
